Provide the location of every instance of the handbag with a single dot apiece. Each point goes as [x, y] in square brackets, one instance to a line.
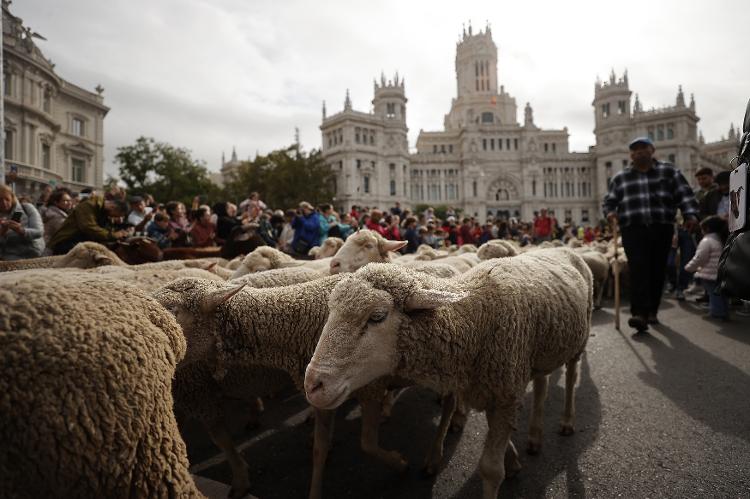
[734, 263]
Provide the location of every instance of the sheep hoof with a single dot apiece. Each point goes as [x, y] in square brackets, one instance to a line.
[533, 448]
[566, 430]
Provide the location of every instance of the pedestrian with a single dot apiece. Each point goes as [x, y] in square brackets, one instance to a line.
[21, 228]
[643, 198]
[306, 225]
[705, 264]
[58, 206]
[543, 225]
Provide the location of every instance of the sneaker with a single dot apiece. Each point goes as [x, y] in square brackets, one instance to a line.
[680, 295]
[638, 322]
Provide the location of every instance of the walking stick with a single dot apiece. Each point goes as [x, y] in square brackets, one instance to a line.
[616, 271]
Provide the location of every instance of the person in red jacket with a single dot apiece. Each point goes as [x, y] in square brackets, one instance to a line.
[543, 227]
[374, 222]
[467, 232]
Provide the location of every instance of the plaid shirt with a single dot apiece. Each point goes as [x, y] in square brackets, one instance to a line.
[651, 197]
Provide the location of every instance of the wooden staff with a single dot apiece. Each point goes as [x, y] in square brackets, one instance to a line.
[616, 271]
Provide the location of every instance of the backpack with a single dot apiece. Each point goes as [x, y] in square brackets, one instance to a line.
[734, 263]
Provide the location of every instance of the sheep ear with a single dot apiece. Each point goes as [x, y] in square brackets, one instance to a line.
[210, 266]
[293, 263]
[387, 246]
[102, 260]
[430, 299]
[212, 301]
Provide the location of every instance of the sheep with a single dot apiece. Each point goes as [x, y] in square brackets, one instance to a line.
[86, 384]
[599, 267]
[484, 335]
[274, 328]
[467, 248]
[277, 277]
[234, 263]
[329, 248]
[264, 258]
[83, 255]
[361, 248]
[496, 248]
[152, 278]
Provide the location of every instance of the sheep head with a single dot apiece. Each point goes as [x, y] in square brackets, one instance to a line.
[361, 248]
[264, 258]
[195, 304]
[359, 342]
[88, 255]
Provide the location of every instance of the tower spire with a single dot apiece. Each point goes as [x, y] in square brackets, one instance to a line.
[680, 97]
[324, 109]
[637, 105]
[692, 102]
[234, 155]
[347, 102]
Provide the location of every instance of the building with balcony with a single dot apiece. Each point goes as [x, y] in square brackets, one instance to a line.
[54, 131]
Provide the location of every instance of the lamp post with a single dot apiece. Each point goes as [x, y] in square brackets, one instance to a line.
[2, 103]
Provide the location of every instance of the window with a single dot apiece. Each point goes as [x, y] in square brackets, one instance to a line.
[46, 100]
[546, 147]
[484, 144]
[500, 144]
[651, 133]
[77, 128]
[660, 132]
[78, 167]
[393, 187]
[670, 131]
[584, 215]
[9, 144]
[605, 110]
[359, 163]
[568, 215]
[390, 110]
[372, 138]
[434, 149]
[450, 148]
[492, 144]
[8, 81]
[507, 144]
[515, 144]
[46, 159]
[474, 188]
[621, 107]
[554, 147]
[356, 135]
[533, 187]
[392, 167]
[488, 118]
[366, 186]
[442, 148]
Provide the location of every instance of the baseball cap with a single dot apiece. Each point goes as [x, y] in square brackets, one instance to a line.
[641, 140]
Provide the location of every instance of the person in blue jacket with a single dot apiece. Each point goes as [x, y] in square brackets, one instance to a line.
[306, 227]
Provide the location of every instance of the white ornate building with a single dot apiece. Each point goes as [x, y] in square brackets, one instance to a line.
[53, 128]
[485, 161]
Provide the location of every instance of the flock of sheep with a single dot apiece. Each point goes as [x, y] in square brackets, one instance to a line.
[99, 356]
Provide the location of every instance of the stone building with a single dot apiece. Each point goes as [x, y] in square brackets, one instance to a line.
[485, 162]
[53, 128]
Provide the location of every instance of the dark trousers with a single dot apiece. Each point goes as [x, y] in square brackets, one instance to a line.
[647, 248]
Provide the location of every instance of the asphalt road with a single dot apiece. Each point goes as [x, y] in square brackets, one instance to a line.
[664, 414]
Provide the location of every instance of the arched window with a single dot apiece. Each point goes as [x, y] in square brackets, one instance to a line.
[488, 118]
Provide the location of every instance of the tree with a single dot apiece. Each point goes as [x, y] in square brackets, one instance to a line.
[166, 172]
[284, 178]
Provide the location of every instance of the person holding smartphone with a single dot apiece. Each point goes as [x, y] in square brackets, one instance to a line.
[21, 229]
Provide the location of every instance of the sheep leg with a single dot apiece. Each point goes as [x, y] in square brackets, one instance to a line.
[369, 440]
[492, 463]
[569, 411]
[458, 421]
[390, 400]
[435, 457]
[321, 445]
[599, 293]
[240, 478]
[512, 463]
[536, 421]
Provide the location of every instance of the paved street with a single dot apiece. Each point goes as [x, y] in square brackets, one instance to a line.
[665, 414]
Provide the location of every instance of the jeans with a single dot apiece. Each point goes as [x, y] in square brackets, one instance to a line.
[718, 306]
[647, 248]
[686, 244]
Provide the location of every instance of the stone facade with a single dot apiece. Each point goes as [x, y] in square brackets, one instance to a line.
[54, 131]
[485, 162]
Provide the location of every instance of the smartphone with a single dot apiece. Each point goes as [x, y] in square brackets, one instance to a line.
[16, 217]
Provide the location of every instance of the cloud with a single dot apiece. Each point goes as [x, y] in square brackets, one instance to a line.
[209, 75]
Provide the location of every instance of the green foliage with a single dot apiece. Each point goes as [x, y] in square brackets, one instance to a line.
[284, 178]
[167, 172]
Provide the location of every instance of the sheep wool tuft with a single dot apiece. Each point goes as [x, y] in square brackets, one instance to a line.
[86, 384]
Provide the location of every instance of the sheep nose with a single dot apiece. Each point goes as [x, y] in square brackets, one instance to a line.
[335, 266]
[313, 383]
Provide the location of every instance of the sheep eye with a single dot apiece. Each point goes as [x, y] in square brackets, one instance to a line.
[377, 317]
[368, 246]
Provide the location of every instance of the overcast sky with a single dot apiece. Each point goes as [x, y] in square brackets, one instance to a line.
[211, 74]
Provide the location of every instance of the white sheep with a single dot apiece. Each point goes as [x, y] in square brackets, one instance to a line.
[484, 335]
[83, 256]
[276, 328]
[264, 258]
[86, 389]
[497, 248]
[329, 248]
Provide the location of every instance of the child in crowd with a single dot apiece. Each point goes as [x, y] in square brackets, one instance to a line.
[159, 230]
[705, 263]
